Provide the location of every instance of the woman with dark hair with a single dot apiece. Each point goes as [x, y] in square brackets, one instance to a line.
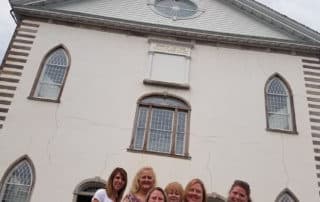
[115, 187]
[239, 192]
[156, 194]
[195, 191]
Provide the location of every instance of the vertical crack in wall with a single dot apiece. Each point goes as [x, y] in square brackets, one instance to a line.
[284, 161]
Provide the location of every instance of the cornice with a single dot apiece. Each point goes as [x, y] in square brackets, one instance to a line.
[276, 19]
[146, 28]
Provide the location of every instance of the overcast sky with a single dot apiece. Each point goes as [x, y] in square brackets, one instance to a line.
[304, 11]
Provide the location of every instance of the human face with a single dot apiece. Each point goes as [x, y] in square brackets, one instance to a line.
[238, 194]
[118, 182]
[173, 196]
[146, 180]
[195, 193]
[156, 196]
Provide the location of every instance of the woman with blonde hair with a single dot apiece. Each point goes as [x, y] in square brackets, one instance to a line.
[174, 192]
[143, 182]
[116, 184]
[195, 191]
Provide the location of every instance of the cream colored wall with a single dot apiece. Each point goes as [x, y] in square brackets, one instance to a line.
[88, 133]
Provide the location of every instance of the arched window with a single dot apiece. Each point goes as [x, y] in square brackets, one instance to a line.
[18, 182]
[279, 105]
[286, 196]
[214, 197]
[51, 76]
[162, 125]
[86, 189]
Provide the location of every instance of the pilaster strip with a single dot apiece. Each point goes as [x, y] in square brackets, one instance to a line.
[311, 71]
[14, 61]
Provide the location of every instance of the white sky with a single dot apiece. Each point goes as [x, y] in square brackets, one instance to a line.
[306, 12]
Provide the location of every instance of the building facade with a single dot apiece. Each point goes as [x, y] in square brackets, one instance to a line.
[218, 90]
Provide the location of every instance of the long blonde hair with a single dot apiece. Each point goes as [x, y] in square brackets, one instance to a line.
[135, 183]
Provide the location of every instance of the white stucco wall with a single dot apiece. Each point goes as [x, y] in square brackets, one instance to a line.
[88, 133]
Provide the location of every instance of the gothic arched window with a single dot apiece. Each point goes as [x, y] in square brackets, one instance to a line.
[286, 196]
[279, 105]
[51, 76]
[18, 182]
[86, 189]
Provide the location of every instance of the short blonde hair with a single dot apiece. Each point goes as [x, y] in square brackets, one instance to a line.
[135, 183]
[192, 182]
[175, 186]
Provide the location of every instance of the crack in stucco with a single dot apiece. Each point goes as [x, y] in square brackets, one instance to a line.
[210, 171]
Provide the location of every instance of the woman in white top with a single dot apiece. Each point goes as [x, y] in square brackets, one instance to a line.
[114, 190]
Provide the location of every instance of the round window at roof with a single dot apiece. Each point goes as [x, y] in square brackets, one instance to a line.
[176, 9]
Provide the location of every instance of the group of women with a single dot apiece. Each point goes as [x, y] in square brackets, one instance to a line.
[144, 189]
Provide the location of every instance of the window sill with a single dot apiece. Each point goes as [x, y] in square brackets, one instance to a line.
[166, 84]
[282, 131]
[43, 99]
[159, 154]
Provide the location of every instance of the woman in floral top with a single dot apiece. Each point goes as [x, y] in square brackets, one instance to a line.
[143, 182]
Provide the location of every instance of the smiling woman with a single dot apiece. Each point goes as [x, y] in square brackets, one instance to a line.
[156, 195]
[143, 182]
[195, 191]
[116, 185]
[174, 192]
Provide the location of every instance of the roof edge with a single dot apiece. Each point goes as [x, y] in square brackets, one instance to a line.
[120, 24]
[277, 19]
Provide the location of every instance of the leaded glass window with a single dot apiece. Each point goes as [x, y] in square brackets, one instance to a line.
[278, 105]
[17, 185]
[286, 196]
[161, 125]
[52, 75]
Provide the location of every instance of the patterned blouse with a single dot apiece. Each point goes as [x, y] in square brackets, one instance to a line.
[131, 198]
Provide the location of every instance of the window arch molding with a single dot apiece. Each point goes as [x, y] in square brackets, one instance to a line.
[161, 125]
[214, 197]
[11, 169]
[290, 105]
[42, 67]
[82, 188]
[286, 193]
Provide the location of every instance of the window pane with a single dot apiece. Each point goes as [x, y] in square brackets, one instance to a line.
[277, 121]
[277, 87]
[169, 68]
[18, 184]
[141, 126]
[48, 90]
[181, 130]
[160, 130]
